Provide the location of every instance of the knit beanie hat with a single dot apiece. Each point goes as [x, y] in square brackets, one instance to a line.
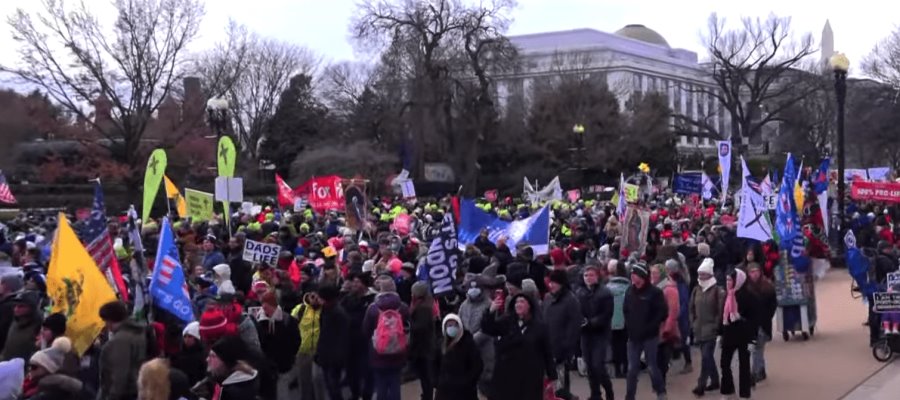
[55, 323]
[230, 350]
[114, 311]
[51, 359]
[706, 266]
[214, 325]
[192, 329]
[559, 277]
[640, 269]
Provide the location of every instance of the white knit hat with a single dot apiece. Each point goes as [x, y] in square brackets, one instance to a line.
[51, 359]
[706, 266]
[192, 329]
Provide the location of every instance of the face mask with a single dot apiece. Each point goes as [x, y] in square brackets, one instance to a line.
[473, 293]
[452, 331]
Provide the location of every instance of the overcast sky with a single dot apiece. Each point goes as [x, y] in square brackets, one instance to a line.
[323, 24]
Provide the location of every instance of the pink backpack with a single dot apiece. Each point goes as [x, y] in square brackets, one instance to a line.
[389, 337]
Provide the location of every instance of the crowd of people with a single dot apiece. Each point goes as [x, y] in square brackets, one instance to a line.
[343, 315]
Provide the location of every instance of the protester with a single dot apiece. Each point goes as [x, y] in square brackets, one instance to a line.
[618, 286]
[384, 323]
[191, 360]
[157, 380]
[27, 318]
[355, 303]
[564, 319]
[421, 337]
[122, 356]
[739, 328]
[10, 284]
[597, 308]
[645, 310]
[331, 351]
[232, 377]
[279, 339]
[309, 315]
[707, 302]
[461, 365]
[764, 292]
[46, 382]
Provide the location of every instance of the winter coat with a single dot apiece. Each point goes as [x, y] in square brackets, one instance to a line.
[562, 314]
[422, 331]
[523, 355]
[745, 329]
[597, 307]
[884, 264]
[191, 361]
[706, 312]
[331, 351]
[247, 332]
[120, 360]
[6, 316]
[356, 307]
[460, 369]
[669, 330]
[617, 286]
[279, 339]
[384, 301]
[644, 310]
[471, 313]
[20, 341]
[240, 385]
[768, 305]
[60, 387]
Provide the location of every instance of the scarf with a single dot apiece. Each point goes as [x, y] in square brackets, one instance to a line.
[730, 313]
[705, 285]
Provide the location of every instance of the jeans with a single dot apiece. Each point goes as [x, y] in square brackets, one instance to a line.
[332, 377]
[422, 368]
[685, 349]
[648, 348]
[359, 377]
[620, 350]
[387, 383]
[759, 352]
[663, 356]
[709, 372]
[593, 350]
[728, 350]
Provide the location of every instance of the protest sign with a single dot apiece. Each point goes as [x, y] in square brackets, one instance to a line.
[199, 204]
[263, 253]
[886, 302]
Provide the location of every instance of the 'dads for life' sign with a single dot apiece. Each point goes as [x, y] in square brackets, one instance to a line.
[258, 252]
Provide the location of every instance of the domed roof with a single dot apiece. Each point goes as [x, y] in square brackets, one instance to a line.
[642, 33]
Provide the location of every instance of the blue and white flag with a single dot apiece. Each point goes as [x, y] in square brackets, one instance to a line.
[167, 286]
[441, 261]
[787, 222]
[820, 184]
[753, 219]
[708, 187]
[533, 231]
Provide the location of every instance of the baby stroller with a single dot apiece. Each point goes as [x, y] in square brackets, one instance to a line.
[885, 348]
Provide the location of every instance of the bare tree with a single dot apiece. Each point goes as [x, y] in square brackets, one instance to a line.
[136, 65]
[883, 63]
[252, 72]
[343, 84]
[752, 70]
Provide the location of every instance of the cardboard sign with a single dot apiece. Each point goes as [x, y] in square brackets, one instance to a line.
[631, 193]
[229, 189]
[408, 189]
[886, 302]
[199, 204]
[299, 204]
[893, 279]
[263, 253]
[771, 201]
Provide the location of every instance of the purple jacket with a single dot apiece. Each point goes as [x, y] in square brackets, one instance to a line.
[384, 301]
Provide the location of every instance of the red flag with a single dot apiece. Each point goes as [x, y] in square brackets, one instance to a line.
[324, 193]
[285, 193]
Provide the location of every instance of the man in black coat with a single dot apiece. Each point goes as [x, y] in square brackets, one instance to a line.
[645, 310]
[597, 304]
[563, 318]
[331, 350]
[355, 304]
[279, 339]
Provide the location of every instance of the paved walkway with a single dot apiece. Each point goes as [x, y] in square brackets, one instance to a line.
[884, 385]
[829, 366]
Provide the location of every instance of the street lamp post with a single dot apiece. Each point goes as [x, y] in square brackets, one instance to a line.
[840, 64]
[578, 130]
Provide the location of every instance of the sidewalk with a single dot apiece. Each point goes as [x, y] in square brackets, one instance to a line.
[883, 385]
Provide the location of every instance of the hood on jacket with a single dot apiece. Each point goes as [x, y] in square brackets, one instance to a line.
[451, 317]
[740, 277]
[223, 272]
[511, 307]
[240, 376]
[62, 383]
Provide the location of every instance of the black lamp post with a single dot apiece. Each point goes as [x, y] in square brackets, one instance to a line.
[840, 64]
[578, 130]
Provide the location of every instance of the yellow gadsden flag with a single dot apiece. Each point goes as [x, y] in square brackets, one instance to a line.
[77, 287]
[172, 192]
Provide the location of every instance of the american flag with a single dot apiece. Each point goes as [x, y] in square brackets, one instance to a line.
[6, 195]
[100, 246]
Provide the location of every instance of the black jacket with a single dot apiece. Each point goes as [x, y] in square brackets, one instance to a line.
[279, 340]
[355, 307]
[60, 387]
[523, 354]
[597, 305]
[240, 386]
[331, 351]
[884, 264]
[768, 305]
[460, 369]
[644, 309]
[191, 361]
[563, 318]
[745, 329]
[421, 331]
[6, 316]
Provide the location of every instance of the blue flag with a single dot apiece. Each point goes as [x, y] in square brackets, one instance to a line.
[533, 231]
[439, 266]
[688, 183]
[821, 179]
[787, 222]
[167, 286]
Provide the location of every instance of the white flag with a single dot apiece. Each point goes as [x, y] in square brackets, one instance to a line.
[724, 149]
[753, 221]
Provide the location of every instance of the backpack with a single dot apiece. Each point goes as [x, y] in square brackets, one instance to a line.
[389, 337]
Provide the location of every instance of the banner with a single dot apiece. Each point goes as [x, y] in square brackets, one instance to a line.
[533, 231]
[355, 206]
[724, 165]
[285, 193]
[687, 183]
[879, 174]
[875, 191]
[553, 191]
[323, 193]
[172, 192]
[167, 285]
[226, 157]
[199, 204]
[156, 168]
[442, 257]
[634, 231]
[753, 219]
[262, 253]
[76, 287]
[708, 187]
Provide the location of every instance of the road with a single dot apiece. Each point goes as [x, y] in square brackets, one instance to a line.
[828, 366]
